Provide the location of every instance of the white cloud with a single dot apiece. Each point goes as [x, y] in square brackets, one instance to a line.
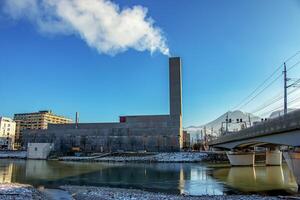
[100, 23]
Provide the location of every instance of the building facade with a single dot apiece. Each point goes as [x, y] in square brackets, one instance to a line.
[36, 121]
[186, 140]
[7, 133]
[132, 133]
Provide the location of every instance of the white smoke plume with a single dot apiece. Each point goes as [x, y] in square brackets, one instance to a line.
[102, 24]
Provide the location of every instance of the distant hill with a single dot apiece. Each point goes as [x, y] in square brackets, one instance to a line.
[214, 126]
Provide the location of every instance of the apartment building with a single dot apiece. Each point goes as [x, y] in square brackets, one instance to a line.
[36, 121]
[7, 133]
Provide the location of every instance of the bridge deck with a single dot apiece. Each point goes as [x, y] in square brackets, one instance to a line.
[277, 125]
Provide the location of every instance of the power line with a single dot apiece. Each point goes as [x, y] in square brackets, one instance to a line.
[261, 91]
[295, 105]
[273, 100]
[268, 103]
[290, 103]
[298, 98]
[265, 81]
[293, 56]
[270, 112]
[258, 87]
[293, 66]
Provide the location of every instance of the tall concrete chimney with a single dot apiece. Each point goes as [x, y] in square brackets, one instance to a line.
[175, 86]
[176, 98]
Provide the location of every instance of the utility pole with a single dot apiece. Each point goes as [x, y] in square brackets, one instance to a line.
[249, 118]
[285, 90]
[227, 122]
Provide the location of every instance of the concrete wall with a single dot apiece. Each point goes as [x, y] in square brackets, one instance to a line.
[39, 150]
[135, 135]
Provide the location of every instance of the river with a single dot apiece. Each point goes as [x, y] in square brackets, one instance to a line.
[175, 178]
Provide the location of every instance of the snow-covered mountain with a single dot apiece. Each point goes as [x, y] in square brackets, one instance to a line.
[279, 113]
[215, 126]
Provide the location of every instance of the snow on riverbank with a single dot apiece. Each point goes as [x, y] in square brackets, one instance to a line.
[144, 157]
[13, 154]
[19, 192]
[103, 193]
[159, 157]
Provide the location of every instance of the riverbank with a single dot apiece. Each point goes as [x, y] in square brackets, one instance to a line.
[151, 157]
[104, 193]
[19, 192]
[175, 157]
[27, 192]
[13, 154]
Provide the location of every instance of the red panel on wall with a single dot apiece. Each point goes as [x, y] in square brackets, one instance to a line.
[122, 119]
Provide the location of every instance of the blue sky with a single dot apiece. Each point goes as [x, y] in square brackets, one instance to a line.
[227, 49]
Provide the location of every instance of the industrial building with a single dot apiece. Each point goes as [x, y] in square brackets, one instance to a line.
[36, 121]
[186, 140]
[7, 133]
[131, 133]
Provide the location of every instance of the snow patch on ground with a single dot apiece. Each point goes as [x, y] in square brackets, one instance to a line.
[156, 157]
[13, 154]
[19, 192]
[159, 157]
[103, 193]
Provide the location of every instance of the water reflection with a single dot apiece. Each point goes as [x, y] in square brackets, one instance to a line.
[6, 173]
[193, 179]
[258, 179]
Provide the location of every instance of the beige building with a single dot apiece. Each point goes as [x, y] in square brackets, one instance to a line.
[7, 133]
[36, 121]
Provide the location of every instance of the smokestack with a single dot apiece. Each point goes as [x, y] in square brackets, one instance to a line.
[76, 119]
[176, 98]
[175, 86]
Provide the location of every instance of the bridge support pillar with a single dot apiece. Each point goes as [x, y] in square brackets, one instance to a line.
[293, 161]
[241, 158]
[273, 157]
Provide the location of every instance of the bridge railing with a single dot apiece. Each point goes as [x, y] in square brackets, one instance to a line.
[289, 122]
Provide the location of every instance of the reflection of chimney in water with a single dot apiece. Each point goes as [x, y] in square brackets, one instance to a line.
[76, 119]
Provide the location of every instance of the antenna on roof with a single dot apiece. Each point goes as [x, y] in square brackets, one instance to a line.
[76, 119]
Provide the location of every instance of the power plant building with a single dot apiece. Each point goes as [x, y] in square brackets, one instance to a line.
[131, 133]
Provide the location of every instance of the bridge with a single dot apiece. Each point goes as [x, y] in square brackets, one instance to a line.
[280, 136]
[282, 131]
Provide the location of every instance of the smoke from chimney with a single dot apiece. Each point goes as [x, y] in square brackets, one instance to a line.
[102, 24]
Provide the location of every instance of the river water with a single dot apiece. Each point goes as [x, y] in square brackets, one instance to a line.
[176, 178]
